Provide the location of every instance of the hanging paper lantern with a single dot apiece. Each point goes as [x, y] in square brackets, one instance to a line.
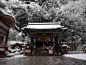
[41, 40]
[49, 39]
[34, 40]
[45, 40]
[53, 39]
[37, 39]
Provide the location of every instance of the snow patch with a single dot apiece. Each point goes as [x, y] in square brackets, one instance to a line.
[18, 56]
[77, 56]
[14, 42]
[15, 56]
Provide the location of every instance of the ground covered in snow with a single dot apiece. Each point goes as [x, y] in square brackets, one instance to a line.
[15, 56]
[77, 56]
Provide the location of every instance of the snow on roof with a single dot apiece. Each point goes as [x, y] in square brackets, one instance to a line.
[54, 25]
[44, 26]
[64, 45]
[14, 42]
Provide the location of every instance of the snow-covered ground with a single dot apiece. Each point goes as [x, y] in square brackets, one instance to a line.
[14, 56]
[77, 56]
[19, 56]
[76, 52]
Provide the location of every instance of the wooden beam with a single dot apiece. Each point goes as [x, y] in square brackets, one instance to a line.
[43, 37]
[3, 28]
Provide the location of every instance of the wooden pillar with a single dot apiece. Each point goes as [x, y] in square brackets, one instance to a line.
[6, 37]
